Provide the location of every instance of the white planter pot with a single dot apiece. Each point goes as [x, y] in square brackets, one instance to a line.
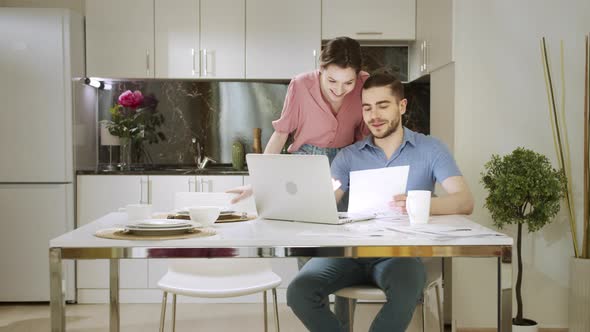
[525, 328]
[579, 295]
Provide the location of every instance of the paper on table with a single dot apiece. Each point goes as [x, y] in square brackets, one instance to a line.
[372, 190]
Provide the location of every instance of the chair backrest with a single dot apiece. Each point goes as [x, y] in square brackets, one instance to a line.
[221, 199]
[214, 267]
[186, 199]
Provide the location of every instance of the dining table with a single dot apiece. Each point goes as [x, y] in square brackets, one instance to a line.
[446, 237]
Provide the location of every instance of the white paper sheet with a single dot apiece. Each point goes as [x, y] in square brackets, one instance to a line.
[372, 190]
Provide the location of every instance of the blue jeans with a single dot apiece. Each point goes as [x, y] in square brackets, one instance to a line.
[315, 150]
[341, 306]
[402, 280]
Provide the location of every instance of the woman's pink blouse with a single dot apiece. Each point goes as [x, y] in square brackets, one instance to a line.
[310, 118]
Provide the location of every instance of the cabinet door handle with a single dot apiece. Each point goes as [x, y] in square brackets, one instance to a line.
[376, 33]
[193, 57]
[315, 59]
[141, 182]
[426, 56]
[147, 62]
[191, 184]
[205, 74]
[149, 192]
[423, 50]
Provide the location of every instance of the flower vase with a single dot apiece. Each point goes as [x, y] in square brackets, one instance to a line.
[579, 295]
[125, 153]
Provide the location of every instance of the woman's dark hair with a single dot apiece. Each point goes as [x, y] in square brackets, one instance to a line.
[381, 78]
[343, 52]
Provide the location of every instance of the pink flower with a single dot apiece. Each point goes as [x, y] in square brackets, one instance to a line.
[131, 99]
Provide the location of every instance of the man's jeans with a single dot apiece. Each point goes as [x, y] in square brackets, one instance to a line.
[402, 280]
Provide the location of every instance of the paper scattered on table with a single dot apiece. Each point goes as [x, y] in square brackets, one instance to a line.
[437, 232]
[372, 190]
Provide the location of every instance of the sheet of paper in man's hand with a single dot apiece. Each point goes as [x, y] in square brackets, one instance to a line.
[372, 190]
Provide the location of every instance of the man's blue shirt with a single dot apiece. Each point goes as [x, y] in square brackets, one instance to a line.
[429, 159]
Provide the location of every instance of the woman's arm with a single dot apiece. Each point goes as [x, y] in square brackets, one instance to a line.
[276, 142]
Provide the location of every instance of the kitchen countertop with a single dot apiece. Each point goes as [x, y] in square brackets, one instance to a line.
[222, 169]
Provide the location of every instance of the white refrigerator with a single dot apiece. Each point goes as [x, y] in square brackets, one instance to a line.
[41, 50]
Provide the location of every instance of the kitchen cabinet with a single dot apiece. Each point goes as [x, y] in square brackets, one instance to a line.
[218, 183]
[199, 38]
[177, 38]
[223, 34]
[283, 37]
[369, 20]
[120, 38]
[96, 196]
[161, 189]
[442, 105]
[433, 47]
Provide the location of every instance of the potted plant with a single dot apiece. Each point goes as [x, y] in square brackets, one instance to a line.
[523, 189]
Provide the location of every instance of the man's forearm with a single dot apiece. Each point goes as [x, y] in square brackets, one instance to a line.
[457, 203]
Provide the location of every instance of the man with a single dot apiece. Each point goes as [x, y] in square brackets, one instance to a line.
[389, 145]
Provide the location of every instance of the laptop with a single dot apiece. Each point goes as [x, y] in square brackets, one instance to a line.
[296, 188]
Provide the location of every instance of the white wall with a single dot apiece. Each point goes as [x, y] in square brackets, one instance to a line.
[75, 5]
[501, 103]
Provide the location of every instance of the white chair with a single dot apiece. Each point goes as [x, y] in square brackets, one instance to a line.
[373, 293]
[216, 278]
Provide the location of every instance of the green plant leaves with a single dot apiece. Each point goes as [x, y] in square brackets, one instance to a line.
[523, 188]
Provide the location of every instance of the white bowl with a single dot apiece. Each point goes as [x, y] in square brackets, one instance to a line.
[205, 215]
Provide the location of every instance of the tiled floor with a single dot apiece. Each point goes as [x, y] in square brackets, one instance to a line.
[190, 317]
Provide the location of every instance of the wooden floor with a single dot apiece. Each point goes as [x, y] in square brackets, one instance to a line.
[190, 317]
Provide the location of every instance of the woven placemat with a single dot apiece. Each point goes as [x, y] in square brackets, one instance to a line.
[122, 234]
[222, 219]
[234, 218]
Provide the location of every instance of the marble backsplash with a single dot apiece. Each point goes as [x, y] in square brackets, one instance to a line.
[218, 113]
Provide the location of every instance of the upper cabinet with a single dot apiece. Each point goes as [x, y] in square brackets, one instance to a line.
[283, 37]
[177, 38]
[199, 38]
[223, 24]
[433, 47]
[253, 39]
[120, 38]
[369, 19]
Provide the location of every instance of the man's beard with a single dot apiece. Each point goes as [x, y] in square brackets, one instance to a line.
[391, 129]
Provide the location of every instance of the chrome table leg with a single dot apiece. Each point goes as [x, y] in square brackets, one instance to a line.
[57, 301]
[115, 323]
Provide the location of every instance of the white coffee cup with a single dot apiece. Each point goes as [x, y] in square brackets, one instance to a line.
[205, 215]
[138, 211]
[418, 206]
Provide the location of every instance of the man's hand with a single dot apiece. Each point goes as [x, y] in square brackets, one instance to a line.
[399, 203]
[243, 193]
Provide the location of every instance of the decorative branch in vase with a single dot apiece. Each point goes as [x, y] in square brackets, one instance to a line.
[135, 120]
[579, 292]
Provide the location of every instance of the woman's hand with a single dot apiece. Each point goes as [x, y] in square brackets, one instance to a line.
[242, 192]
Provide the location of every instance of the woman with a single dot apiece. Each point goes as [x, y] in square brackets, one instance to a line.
[322, 108]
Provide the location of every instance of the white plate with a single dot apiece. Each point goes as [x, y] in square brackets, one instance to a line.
[160, 223]
[159, 229]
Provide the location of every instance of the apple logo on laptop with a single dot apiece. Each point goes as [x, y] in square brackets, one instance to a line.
[291, 188]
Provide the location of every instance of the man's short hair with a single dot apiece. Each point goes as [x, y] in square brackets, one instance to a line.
[384, 78]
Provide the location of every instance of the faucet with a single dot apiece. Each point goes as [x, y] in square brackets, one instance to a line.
[200, 159]
[197, 147]
[205, 161]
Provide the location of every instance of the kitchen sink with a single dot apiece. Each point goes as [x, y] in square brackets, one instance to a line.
[212, 168]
